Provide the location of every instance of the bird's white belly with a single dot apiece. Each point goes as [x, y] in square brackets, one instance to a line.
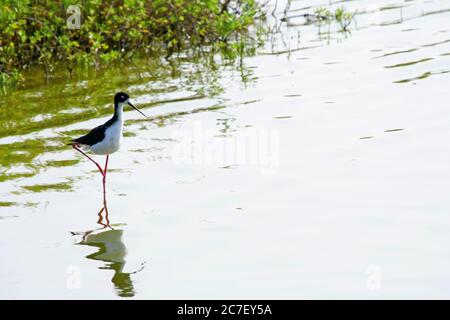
[112, 141]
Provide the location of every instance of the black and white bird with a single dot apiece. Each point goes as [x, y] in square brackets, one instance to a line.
[106, 138]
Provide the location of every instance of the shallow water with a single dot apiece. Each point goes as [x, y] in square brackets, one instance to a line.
[316, 168]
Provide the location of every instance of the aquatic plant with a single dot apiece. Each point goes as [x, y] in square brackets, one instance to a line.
[340, 15]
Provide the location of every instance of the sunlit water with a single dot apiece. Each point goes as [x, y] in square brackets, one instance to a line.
[317, 168]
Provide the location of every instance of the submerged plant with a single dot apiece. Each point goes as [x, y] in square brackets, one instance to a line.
[340, 15]
[343, 17]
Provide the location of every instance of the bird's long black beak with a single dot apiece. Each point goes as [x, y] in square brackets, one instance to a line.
[136, 109]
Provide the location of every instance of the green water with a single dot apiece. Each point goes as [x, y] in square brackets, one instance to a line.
[305, 170]
[43, 105]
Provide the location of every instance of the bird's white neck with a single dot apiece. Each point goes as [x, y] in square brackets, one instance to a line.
[118, 112]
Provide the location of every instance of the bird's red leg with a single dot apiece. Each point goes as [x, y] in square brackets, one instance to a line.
[104, 179]
[106, 166]
[79, 150]
[100, 217]
[107, 215]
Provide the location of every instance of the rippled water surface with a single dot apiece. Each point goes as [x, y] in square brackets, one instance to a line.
[315, 168]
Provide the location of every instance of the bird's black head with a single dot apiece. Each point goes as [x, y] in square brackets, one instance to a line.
[121, 97]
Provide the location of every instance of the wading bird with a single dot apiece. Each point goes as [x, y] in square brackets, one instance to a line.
[105, 139]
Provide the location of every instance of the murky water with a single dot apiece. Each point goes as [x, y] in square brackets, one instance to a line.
[317, 168]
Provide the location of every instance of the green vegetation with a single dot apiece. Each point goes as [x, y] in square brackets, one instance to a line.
[340, 15]
[409, 63]
[61, 163]
[7, 204]
[36, 32]
[49, 187]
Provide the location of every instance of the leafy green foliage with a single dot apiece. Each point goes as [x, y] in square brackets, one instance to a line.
[36, 32]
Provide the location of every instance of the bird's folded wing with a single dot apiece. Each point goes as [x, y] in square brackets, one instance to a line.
[92, 137]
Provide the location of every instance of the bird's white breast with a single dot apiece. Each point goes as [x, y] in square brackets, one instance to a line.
[111, 142]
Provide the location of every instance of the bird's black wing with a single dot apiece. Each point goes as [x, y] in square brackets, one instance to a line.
[92, 137]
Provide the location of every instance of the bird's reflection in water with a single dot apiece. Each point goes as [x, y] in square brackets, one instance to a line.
[112, 251]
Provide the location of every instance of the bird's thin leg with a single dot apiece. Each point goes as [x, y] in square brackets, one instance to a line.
[106, 167]
[100, 217]
[104, 178]
[107, 216]
[79, 150]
